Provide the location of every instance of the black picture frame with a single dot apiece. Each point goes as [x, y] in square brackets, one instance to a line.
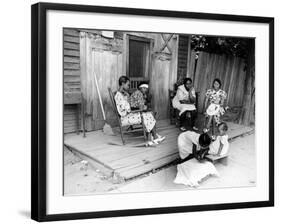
[39, 108]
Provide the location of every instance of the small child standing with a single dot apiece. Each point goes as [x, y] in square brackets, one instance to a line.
[220, 145]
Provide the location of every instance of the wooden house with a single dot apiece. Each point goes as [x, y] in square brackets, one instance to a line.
[160, 59]
[148, 57]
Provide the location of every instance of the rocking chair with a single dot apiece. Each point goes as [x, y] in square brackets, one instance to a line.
[128, 130]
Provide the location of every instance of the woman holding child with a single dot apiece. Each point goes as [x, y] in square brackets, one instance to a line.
[130, 117]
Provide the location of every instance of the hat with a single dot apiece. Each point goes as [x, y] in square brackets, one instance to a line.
[143, 86]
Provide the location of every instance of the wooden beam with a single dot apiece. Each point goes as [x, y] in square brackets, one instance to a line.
[74, 66]
[71, 39]
[71, 46]
[73, 53]
[72, 72]
[75, 60]
[71, 32]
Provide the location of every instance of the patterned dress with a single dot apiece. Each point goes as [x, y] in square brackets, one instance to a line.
[129, 118]
[137, 99]
[215, 98]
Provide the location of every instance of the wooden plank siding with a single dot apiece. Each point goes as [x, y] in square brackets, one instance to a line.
[70, 114]
[71, 59]
[72, 81]
[229, 69]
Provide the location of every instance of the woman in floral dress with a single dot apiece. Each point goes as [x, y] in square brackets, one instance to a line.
[129, 117]
[214, 103]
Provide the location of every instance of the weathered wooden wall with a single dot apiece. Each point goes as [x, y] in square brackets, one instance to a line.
[105, 64]
[102, 57]
[247, 115]
[106, 57]
[229, 69]
[88, 51]
[71, 65]
[71, 59]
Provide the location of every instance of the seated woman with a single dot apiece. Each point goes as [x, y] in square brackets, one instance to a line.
[140, 99]
[129, 117]
[184, 101]
[214, 102]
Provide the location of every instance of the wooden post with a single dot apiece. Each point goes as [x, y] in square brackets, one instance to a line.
[85, 68]
[189, 72]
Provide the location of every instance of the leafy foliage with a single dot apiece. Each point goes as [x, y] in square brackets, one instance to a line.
[221, 45]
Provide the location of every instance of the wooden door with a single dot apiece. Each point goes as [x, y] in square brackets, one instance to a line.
[102, 57]
[106, 66]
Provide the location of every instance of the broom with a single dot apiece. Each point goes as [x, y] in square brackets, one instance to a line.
[106, 128]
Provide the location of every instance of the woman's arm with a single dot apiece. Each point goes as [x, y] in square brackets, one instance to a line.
[182, 97]
[122, 105]
[192, 95]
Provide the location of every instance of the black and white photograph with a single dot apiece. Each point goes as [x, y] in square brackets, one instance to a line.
[154, 112]
[141, 112]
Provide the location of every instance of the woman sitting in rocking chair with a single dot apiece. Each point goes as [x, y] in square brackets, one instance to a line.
[122, 99]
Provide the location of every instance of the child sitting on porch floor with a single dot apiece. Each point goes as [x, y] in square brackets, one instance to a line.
[129, 117]
[220, 144]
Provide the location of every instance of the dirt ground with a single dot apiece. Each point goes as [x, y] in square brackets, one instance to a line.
[82, 179]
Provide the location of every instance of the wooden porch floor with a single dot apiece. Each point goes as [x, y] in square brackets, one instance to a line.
[122, 162]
